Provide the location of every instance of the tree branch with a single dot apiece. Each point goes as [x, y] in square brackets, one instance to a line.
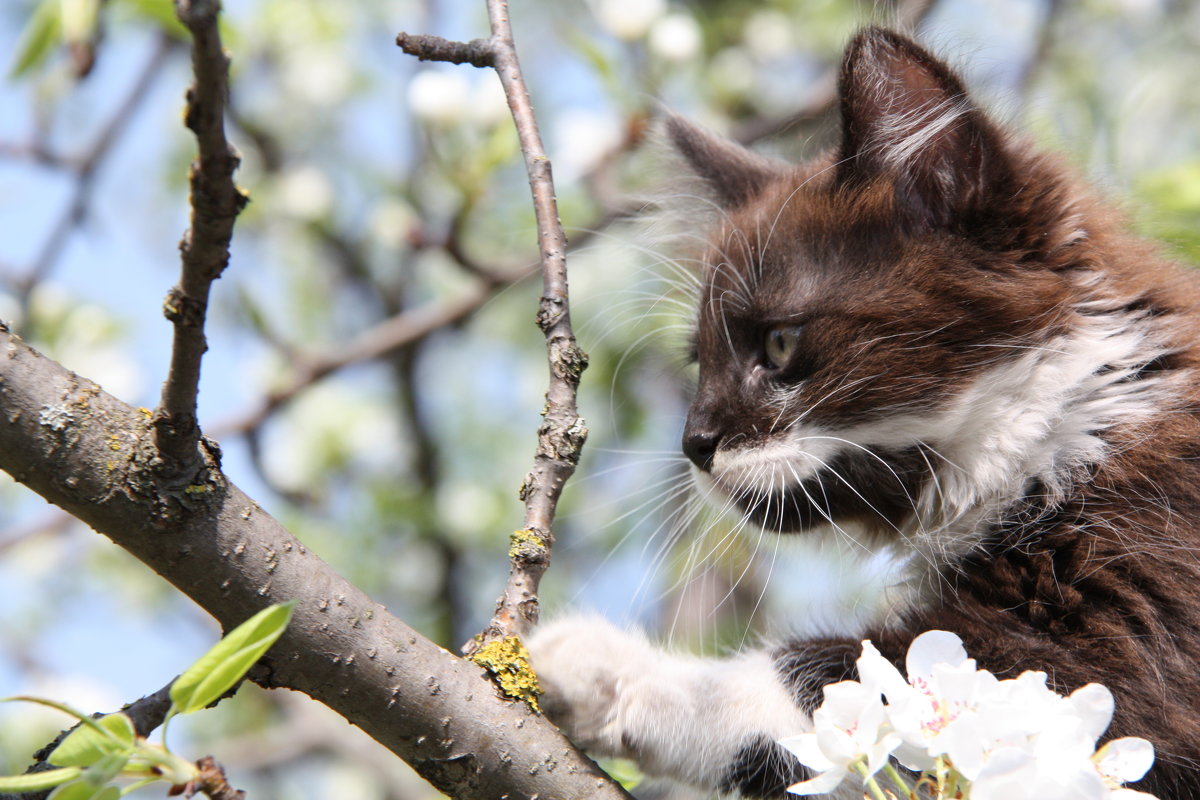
[91, 454]
[216, 202]
[563, 432]
[426, 47]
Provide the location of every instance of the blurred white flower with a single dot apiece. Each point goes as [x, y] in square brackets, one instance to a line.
[304, 192]
[391, 223]
[582, 137]
[732, 70]
[440, 97]
[317, 75]
[676, 37]
[628, 19]
[488, 104]
[768, 34]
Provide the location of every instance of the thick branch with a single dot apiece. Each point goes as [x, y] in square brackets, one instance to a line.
[84, 450]
[216, 202]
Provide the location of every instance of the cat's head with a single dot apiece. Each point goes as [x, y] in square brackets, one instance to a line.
[895, 329]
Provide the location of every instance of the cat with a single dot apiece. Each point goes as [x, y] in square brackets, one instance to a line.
[932, 339]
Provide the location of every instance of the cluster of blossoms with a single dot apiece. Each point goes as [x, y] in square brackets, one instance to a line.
[967, 733]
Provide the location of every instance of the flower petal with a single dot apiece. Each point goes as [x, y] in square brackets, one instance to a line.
[820, 784]
[930, 648]
[1125, 760]
[1094, 705]
[805, 747]
[877, 672]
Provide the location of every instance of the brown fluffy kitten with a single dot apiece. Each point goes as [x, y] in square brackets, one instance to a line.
[931, 340]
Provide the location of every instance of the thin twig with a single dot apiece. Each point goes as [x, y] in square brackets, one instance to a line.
[212, 782]
[903, 14]
[216, 202]
[426, 47]
[563, 432]
[1043, 48]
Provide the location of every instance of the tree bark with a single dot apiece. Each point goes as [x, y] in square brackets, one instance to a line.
[91, 454]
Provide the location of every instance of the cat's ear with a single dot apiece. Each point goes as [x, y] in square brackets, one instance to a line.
[906, 118]
[732, 173]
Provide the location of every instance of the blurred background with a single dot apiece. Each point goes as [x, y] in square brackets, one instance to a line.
[381, 187]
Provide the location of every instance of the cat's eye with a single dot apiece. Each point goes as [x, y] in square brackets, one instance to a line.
[780, 344]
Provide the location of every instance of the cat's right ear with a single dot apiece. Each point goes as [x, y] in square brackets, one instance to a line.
[732, 173]
[906, 118]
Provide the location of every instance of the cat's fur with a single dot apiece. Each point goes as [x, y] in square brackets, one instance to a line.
[990, 375]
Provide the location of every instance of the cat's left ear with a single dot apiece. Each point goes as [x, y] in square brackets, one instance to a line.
[906, 119]
[732, 173]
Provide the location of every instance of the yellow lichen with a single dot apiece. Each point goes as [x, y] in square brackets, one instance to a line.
[197, 488]
[523, 536]
[114, 442]
[508, 661]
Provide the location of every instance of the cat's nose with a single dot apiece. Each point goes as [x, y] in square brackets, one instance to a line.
[700, 446]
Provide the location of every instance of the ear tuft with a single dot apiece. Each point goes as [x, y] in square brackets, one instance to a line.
[733, 173]
[907, 117]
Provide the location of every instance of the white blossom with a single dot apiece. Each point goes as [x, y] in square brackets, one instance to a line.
[1012, 739]
[439, 96]
[676, 37]
[305, 192]
[628, 19]
[846, 729]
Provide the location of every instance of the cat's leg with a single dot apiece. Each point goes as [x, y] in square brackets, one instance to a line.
[713, 723]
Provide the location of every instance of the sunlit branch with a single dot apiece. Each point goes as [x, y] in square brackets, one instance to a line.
[563, 432]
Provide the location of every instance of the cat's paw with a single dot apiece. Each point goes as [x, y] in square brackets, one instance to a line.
[583, 664]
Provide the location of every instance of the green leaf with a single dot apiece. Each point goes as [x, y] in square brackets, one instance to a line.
[82, 790]
[623, 771]
[38, 781]
[38, 39]
[161, 13]
[107, 768]
[86, 745]
[218, 670]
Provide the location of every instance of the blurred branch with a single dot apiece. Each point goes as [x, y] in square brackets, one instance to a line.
[53, 524]
[906, 15]
[381, 340]
[211, 781]
[91, 454]
[216, 201]
[1042, 48]
[84, 168]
